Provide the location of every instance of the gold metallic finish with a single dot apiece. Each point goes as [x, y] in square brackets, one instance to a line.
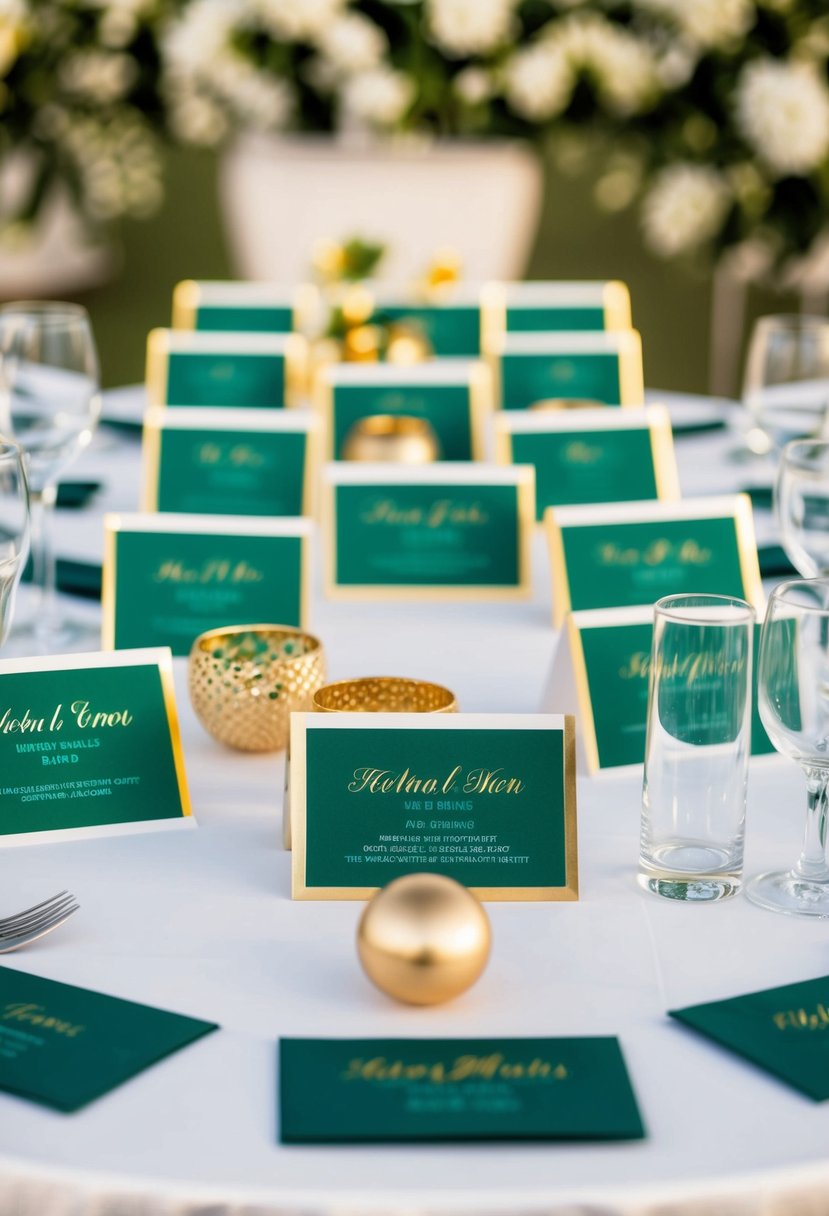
[385, 695]
[391, 438]
[424, 939]
[568, 403]
[246, 681]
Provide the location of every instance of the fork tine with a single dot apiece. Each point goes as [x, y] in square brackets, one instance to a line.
[46, 909]
[15, 943]
[4, 920]
[28, 923]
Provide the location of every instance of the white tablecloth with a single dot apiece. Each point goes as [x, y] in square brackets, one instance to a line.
[202, 922]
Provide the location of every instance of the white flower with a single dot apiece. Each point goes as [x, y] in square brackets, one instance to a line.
[201, 33]
[782, 110]
[378, 98]
[297, 20]
[707, 23]
[351, 43]
[256, 97]
[197, 119]
[100, 76]
[684, 208]
[539, 81]
[473, 85]
[469, 27]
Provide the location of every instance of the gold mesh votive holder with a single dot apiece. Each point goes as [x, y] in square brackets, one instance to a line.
[246, 680]
[385, 695]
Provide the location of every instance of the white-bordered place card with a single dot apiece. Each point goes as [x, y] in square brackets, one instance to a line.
[554, 368]
[439, 531]
[454, 396]
[449, 324]
[487, 799]
[545, 306]
[89, 745]
[168, 578]
[238, 306]
[232, 370]
[230, 462]
[634, 553]
[591, 456]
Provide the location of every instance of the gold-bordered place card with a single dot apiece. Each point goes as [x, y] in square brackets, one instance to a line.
[230, 462]
[442, 531]
[554, 369]
[591, 456]
[488, 799]
[454, 396]
[550, 306]
[168, 578]
[448, 324]
[241, 307]
[627, 554]
[231, 370]
[90, 745]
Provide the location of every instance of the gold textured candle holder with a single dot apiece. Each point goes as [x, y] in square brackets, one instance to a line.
[245, 682]
[567, 403]
[392, 438]
[385, 695]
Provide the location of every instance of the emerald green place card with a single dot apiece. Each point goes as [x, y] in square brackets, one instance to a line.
[635, 553]
[89, 745]
[450, 326]
[547, 307]
[230, 370]
[63, 1046]
[234, 307]
[591, 456]
[168, 578]
[602, 368]
[229, 462]
[439, 531]
[453, 395]
[488, 799]
[357, 1091]
[783, 1030]
[600, 674]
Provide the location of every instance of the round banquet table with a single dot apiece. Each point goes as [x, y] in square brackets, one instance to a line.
[202, 922]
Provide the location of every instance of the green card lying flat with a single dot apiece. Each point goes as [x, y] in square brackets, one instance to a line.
[635, 553]
[487, 799]
[591, 456]
[243, 307]
[547, 307]
[63, 1046]
[229, 462]
[168, 578]
[602, 368]
[89, 744]
[439, 531]
[783, 1030]
[453, 395]
[600, 673]
[231, 370]
[356, 1091]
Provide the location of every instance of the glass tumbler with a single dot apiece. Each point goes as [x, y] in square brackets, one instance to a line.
[697, 748]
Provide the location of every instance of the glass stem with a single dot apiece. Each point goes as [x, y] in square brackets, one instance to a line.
[43, 559]
[812, 865]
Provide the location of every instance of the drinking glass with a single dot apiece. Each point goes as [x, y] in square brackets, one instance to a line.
[793, 698]
[786, 385]
[14, 529]
[697, 747]
[49, 404]
[801, 504]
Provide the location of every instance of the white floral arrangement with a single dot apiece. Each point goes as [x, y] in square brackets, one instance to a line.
[714, 113]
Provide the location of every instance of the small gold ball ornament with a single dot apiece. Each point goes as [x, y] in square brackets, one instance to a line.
[424, 939]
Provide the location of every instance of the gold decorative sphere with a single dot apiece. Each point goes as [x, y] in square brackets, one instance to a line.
[424, 939]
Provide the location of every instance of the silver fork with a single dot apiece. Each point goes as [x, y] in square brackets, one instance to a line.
[29, 925]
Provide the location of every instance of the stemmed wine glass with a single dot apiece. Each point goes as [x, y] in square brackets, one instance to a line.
[49, 404]
[793, 699]
[14, 529]
[786, 385]
[801, 505]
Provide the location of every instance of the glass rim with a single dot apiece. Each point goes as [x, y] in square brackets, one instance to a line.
[790, 450]
[781, 591]
[8, 448]
[680, 607]
[52, 312]
[792, 320]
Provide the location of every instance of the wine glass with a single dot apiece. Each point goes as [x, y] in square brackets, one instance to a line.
[49, 404]
[801, 505]
[786, 385]
[14, 529]
[793, 699]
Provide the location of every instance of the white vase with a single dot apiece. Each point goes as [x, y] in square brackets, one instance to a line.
[281, 195]
[53, 257]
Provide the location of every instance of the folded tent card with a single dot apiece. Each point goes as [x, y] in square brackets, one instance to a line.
[231, 370]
